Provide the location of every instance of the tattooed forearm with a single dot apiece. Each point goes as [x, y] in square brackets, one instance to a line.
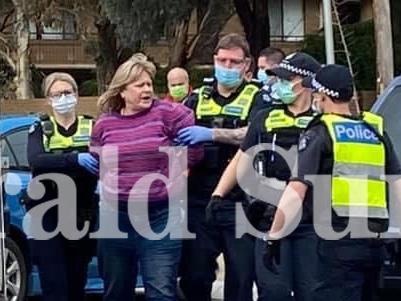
[229, 136]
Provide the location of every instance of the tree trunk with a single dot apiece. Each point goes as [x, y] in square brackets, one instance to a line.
[396, 24]
[23, 77]
[178, 46]
[255, 21]
[261, 30]
[244, 12]
[384, 45]
[107, 54]
[217, 15]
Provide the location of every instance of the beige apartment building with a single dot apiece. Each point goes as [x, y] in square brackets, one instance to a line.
[290, 21]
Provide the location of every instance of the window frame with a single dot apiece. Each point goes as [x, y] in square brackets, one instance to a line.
[18, 164]
[284, 37]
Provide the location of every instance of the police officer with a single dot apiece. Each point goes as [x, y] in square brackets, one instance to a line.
[227, 105]
[269, 58]
[279, 126]
[59, 144]
[354, 151]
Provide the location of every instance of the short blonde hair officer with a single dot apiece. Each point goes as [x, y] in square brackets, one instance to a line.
[58, 144]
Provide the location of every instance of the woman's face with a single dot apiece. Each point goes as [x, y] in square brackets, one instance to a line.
[62, 97]
[138, 94]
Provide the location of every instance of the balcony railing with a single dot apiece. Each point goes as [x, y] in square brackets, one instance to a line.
[60, 54]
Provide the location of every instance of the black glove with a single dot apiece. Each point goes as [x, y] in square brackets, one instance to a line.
[271, 259]
[255, 212]
[214, 205]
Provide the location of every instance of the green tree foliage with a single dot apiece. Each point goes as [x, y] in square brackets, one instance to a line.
[144, 20]
[363, 53]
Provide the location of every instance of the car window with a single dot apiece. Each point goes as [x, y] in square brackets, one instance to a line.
[390, 110]
[7, 158]
[19, 142]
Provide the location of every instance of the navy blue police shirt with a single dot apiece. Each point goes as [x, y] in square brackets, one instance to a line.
[315, 157]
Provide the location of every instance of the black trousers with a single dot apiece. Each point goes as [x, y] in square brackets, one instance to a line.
[296, 279]
[198, 266]
[348, 269]
[62, 263]
[62, 266]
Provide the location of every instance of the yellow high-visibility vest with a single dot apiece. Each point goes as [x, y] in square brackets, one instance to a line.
[279, 119]
[79, 139]
[358, 185]
[239, 107]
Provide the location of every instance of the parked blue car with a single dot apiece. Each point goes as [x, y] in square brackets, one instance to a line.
[22, 278]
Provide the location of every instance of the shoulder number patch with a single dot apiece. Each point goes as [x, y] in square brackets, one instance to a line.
[303, 143]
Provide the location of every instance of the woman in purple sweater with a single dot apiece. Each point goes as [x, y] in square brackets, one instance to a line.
[127, 138]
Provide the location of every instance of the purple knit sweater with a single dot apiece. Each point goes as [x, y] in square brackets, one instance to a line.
[130, 150]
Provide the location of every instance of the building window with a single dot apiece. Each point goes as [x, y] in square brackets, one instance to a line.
[286, 20]
[62, 29]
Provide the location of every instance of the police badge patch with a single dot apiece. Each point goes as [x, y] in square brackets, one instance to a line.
[32, 128]
[303, 143]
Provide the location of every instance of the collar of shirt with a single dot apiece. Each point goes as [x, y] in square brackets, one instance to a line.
[220, 99]
[70, 131]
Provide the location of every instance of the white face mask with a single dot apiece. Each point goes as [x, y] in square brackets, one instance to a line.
[64, 104]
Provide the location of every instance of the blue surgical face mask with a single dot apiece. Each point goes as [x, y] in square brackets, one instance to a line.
[263, 77]
[64, 104]
[284, 91]
[228, 77]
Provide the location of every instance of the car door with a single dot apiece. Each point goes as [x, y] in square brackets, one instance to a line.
[16, 172]
[388, 105]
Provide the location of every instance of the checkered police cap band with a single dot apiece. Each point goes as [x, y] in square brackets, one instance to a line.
[320, 88]
[296, 70]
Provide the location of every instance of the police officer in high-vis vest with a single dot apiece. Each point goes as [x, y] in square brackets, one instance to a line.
[350, 154]
[59, 144]
[225, 104]
[277, 127]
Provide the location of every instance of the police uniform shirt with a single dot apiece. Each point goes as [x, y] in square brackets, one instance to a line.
[64, 162]
[205, 175]
[315, 156]
[285, 137]
[258, 104]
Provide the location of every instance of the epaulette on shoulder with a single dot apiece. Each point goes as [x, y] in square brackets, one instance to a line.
[315, 121]
[208, 81]
[87, 116]
[34, 126]
[256, 83]
[43, 116]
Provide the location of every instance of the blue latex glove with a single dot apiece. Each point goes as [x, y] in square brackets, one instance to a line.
[87, 161]
[193, 135]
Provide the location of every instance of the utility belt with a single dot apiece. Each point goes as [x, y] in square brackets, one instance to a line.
[217, 156]
[222, 122]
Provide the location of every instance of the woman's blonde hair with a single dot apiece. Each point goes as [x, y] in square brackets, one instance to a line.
[58, 76]
[128, 72]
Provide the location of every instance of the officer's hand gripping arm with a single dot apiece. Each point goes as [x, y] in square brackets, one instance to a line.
[193, 134]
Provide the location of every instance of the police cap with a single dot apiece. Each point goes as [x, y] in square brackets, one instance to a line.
[297, 63]
[333, 80]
